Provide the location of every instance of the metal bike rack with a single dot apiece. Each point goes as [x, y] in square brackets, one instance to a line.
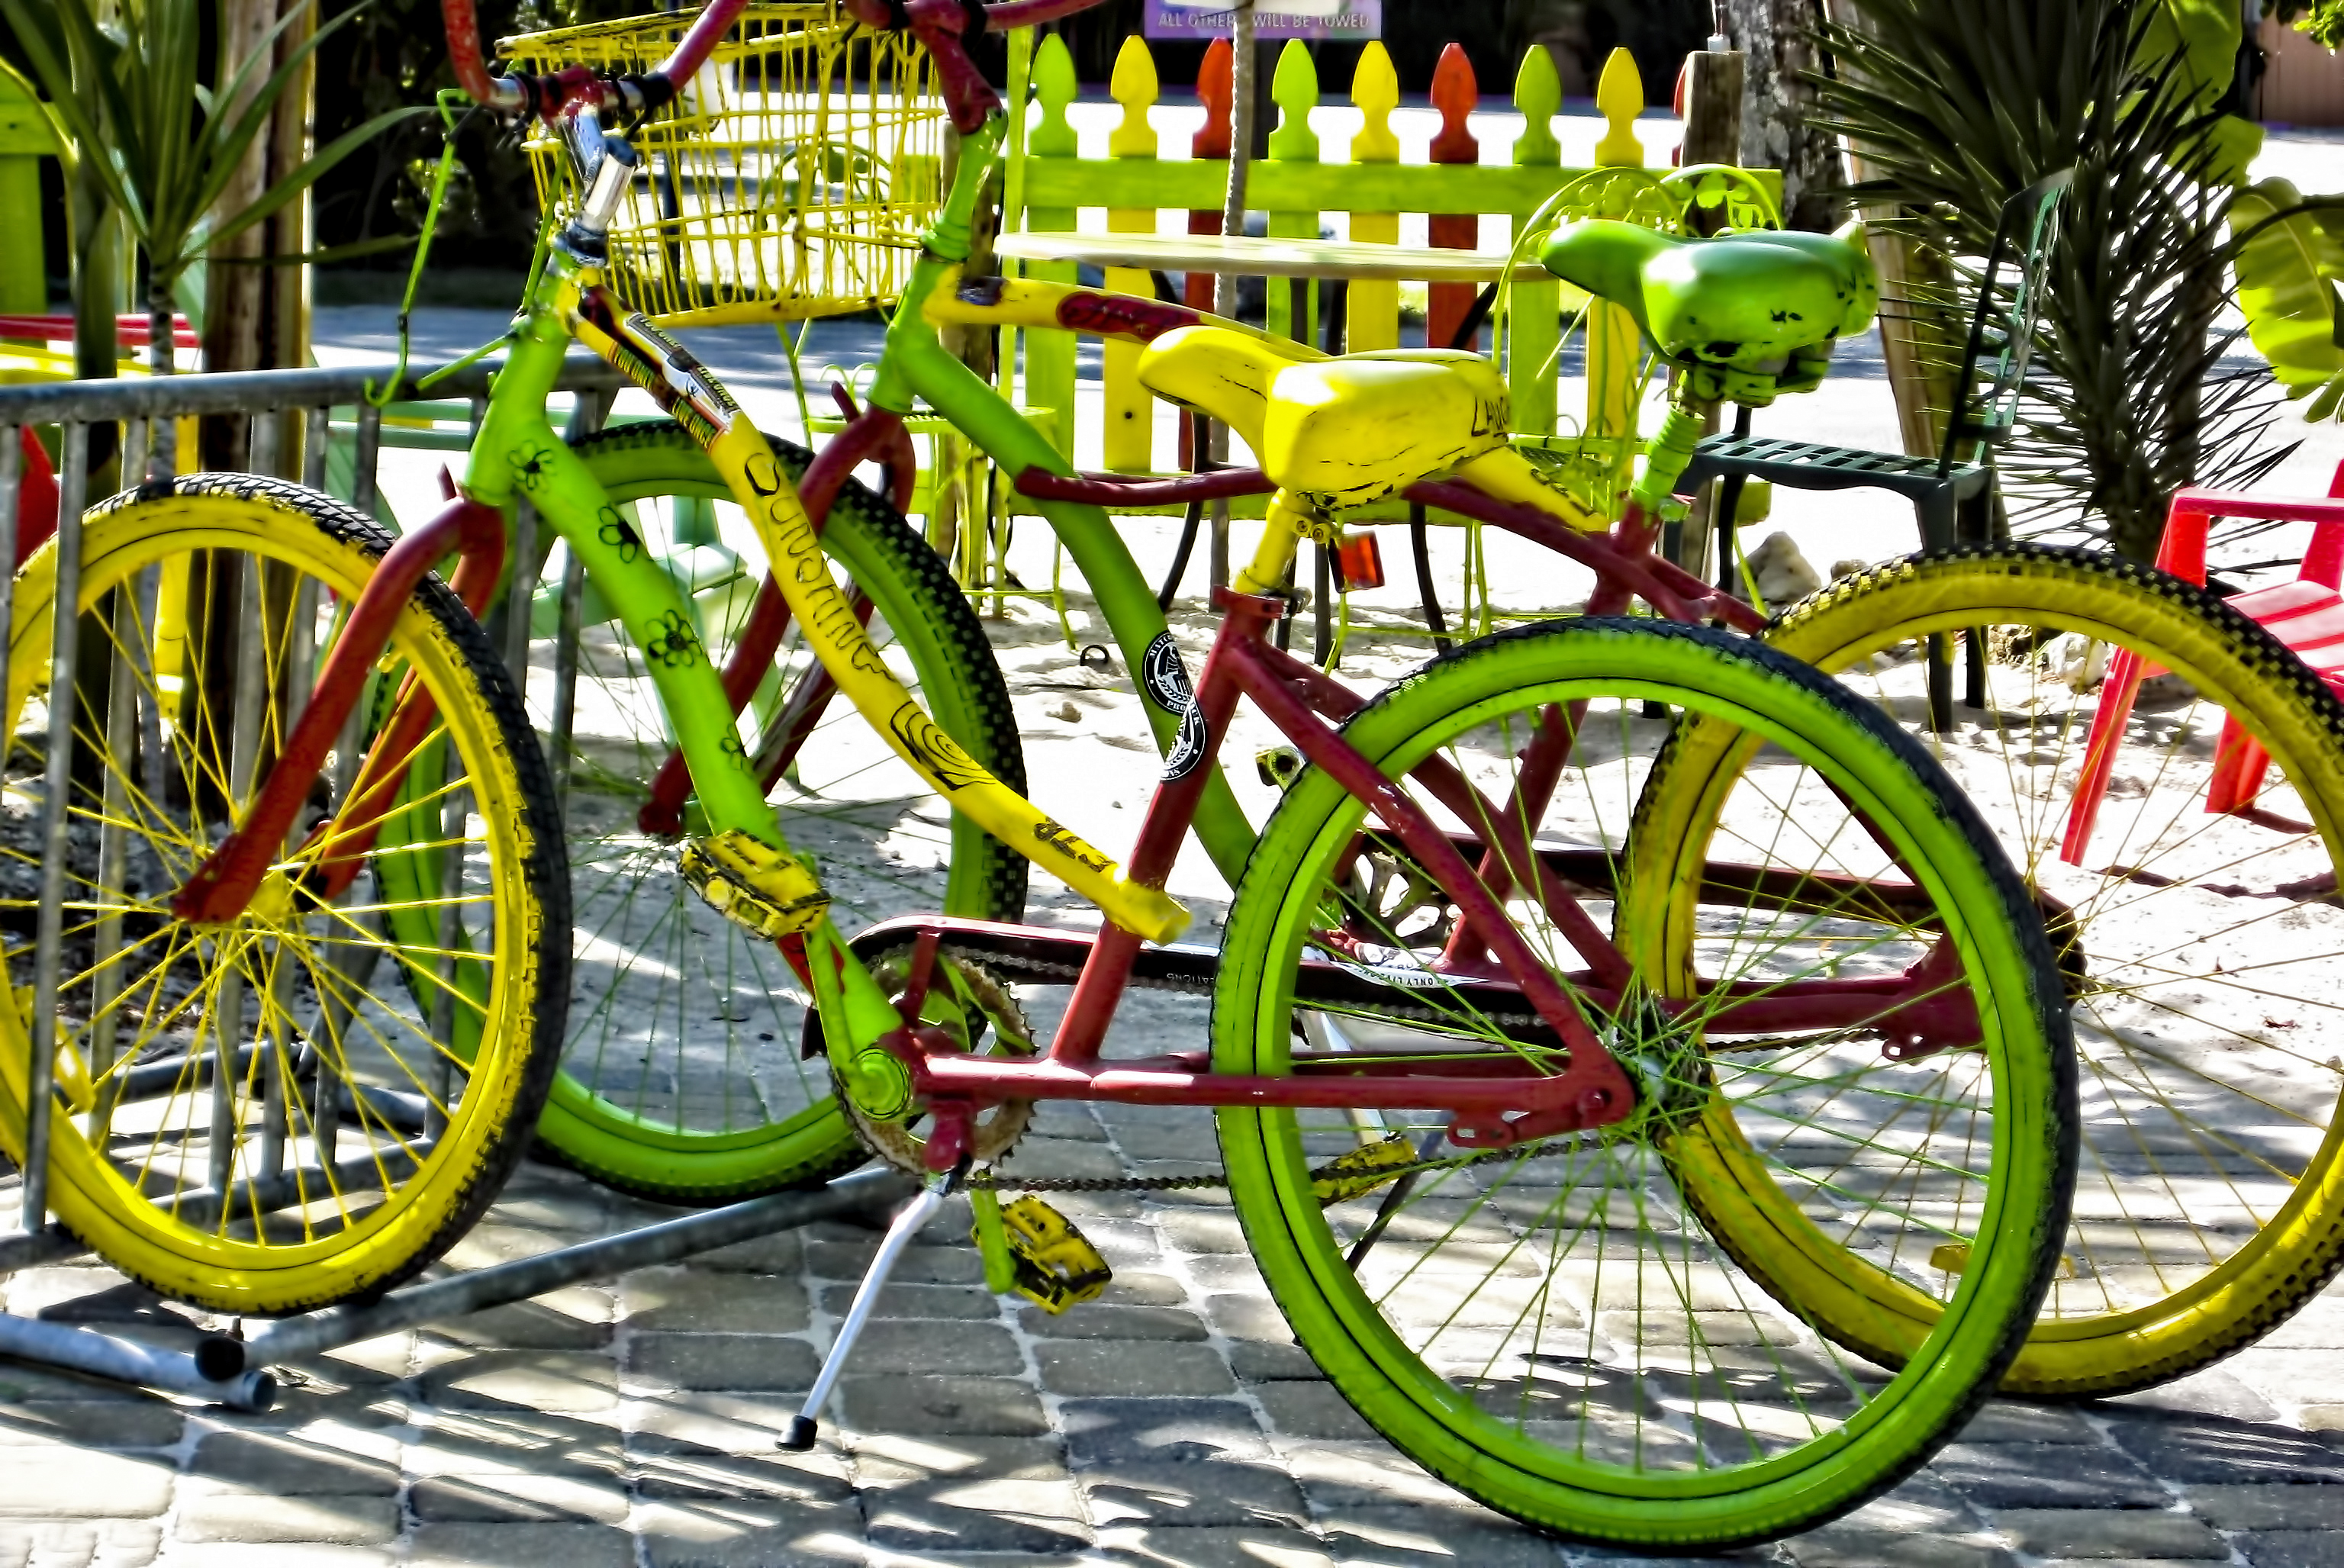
[230, 1368]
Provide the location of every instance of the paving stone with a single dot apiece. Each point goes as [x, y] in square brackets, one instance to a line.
[1131, 1368]
[2046, 1475]
[81, 1543]
[2007, 1421]
[1130, 1246]
[1108, 1430]
[522, 1546]
[576, 1318]
[850, 1260]
[2100, 1533]
[1918, 1505]
[476, 1442]
[945, 1406]
[1113, 1320]
[964, 1350]
[902, 1459]
[565, 1382]
[1310, 1410]
[2293, 1548]
[290, 1555]
[1145, 1288]
[22, 1381]
[1204, 1231]
[1429, 1535]
[705, 1421]
[1193, 1493]
[721, 1361]
[1834, 1546]
[2271, 1507]
[1159, 1546]
[1338, 1475]
[955, 1515]
[960, 1303]
[1039, 1159]
[733, 1534]
[1258, 1363]
[235, 1514]
[773, 1476]
[500, 1241]
[282, 1464]
[1230, 1271]
[62, 1483]
[92, 1423]
[1065, 1118]
[2207, 1449]
[2213, 1392]
[515, 1497]
[783, 1252]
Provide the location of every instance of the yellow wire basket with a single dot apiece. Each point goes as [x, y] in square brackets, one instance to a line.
[790, 177]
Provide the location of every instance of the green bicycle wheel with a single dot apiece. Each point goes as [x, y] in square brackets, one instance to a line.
[1554, 1329]
[681, 1074]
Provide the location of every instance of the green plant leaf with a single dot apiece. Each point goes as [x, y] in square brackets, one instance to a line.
[2288, 273]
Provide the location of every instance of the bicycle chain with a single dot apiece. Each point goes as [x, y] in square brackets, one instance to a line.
[1546, 1148]
[1034, 969]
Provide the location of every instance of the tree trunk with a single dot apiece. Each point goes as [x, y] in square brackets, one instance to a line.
[1776, 38]
[256, 318]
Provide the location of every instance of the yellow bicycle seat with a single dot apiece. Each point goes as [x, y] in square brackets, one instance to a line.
[1344, 432]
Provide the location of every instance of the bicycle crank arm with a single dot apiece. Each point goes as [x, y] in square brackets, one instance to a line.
[222, 887]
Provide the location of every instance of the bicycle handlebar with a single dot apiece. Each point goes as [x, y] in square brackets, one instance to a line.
[942, 27]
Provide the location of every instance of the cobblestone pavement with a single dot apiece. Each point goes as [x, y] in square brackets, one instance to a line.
[631, 1425]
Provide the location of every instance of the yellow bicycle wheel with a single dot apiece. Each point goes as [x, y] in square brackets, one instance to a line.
[259, 1116]
[2197, 947]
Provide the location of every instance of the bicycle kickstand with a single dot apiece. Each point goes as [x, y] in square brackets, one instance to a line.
[906, 1225]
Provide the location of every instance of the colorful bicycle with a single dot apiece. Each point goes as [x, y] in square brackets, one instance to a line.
[2194, 942]
[1523, 960]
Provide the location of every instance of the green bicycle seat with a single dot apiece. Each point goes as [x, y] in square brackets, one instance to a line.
[1753, 314]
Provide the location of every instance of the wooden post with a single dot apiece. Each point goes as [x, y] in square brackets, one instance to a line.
[1050, 351]
[1712, 119]
[1211, 142]
[1290, 306]
[1128, 443]
[1614, 350]
[1534, 306]
[1916, 340]
[24, 142]
[1372, 311]
[1454, 94]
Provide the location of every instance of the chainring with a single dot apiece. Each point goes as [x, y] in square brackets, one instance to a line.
[970, 1003]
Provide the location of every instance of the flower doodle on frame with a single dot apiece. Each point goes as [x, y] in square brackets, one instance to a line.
[673, 643]
[616, 532]
[529, 465]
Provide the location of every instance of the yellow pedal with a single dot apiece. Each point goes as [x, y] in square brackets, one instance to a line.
[1363, 1169]
[1051, 1264]
[766, 890]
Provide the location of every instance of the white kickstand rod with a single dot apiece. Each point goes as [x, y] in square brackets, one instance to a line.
[916, 1213]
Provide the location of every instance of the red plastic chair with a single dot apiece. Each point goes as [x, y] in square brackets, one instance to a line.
[2307, 614]
[36, 496]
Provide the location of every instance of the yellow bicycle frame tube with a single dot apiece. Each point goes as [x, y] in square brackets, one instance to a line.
[755, 477]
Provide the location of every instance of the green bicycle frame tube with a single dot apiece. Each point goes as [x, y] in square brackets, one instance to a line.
[916, 364]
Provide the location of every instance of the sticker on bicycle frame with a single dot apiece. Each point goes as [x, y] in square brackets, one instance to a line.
[1407, 979]
[686, 377]
[678, 383]
[1189, 747]
[1164, 677]
[1062, 838]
